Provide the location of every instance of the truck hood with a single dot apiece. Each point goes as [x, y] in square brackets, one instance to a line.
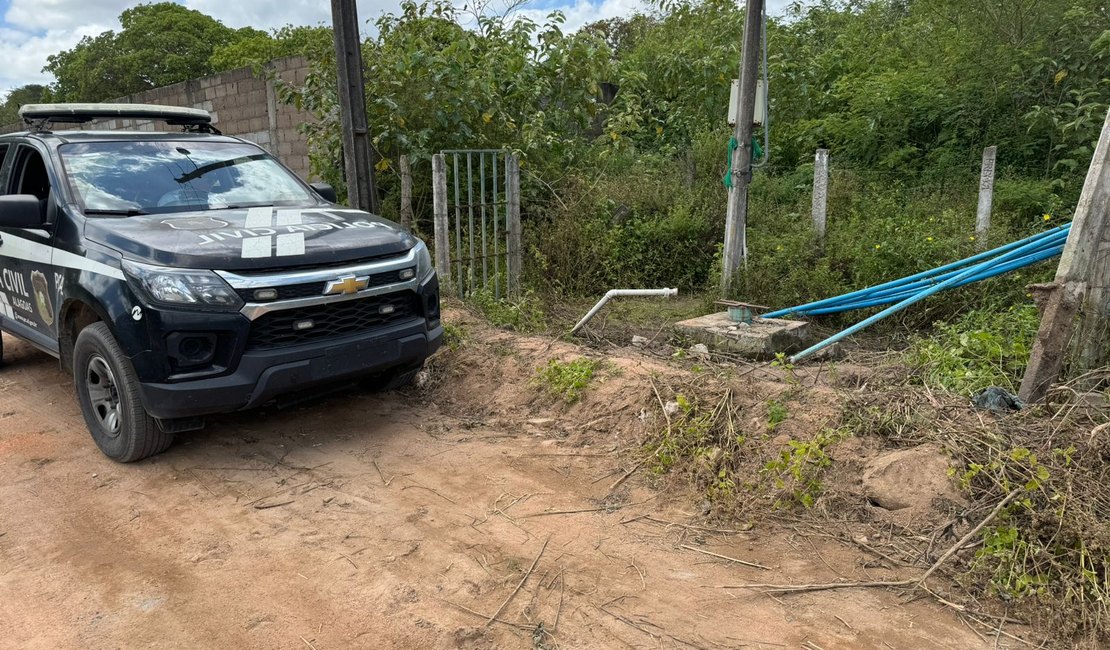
[251, 238]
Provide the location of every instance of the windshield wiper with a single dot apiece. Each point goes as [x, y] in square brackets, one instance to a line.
[283, 203]
[130, 212]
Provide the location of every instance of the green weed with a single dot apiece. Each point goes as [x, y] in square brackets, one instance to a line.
[781, 361]
[689, 436]
[568, 380]
[703, 439]
[982, 348]
[776, 414]
[454, 336]
[521, 315]
[798, 469]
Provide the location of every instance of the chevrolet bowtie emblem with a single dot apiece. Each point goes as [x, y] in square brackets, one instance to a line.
[346, 285]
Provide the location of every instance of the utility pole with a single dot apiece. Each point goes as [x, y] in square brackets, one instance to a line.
[736, 218]
[1082, 286]
[357, 153]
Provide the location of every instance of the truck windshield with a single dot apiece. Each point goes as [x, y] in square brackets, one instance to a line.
[124, 178]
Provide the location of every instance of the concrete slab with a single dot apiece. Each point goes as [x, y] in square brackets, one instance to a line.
[761, 340]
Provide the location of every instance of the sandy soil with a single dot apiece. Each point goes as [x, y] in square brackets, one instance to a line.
[396, 521]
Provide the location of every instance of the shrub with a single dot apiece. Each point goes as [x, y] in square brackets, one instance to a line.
[983, 348]
[524, 314]
[567, 380]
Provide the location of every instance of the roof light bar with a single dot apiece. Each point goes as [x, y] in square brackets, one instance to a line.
[39, 114]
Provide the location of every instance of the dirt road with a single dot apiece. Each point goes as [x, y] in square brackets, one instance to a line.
[391, 521]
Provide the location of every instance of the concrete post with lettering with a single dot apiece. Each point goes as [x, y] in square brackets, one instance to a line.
[986, 196]
[820, 194]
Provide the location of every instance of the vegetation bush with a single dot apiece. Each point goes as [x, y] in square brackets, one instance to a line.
[982, 348]
[568, 380]
[523, 314]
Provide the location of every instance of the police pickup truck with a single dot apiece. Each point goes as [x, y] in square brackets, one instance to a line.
[183, 274]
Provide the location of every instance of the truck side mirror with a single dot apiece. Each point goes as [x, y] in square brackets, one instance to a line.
[21, 211]
[326, 192]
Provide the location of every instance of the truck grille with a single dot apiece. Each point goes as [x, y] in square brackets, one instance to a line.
[330, 320]
[315, 289]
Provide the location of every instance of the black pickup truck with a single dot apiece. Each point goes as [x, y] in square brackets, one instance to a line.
[183, 274]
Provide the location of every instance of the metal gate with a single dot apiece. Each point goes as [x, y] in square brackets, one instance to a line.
[477, 220]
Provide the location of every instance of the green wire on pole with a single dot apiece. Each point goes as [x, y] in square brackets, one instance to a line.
[757, 152]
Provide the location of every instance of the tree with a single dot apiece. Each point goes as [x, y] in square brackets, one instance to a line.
[159, 45]
[29, 94]
[433, 84]
[621, 33]
[258, 48]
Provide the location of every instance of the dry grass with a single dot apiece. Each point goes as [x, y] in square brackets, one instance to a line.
[1047, 556]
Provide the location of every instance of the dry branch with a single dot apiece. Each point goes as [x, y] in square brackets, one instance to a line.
[915, 582]
[725, 557]
[630, 472]
[521, 583]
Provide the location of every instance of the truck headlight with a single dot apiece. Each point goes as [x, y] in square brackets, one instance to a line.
[424, 266]
[181, 287]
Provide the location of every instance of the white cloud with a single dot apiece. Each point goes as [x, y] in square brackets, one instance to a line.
[25, 53]
[262, 14]
[63, 15]
[583, 12]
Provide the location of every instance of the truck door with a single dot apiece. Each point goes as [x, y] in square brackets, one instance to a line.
[28, 285]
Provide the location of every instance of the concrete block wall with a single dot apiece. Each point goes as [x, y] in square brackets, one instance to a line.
[241, 103]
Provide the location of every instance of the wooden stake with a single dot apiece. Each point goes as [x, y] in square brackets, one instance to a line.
[357, 152]
[512, 194]
[1082, 281]
[736, 244]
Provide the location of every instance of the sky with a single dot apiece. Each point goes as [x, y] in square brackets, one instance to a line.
[31, 30]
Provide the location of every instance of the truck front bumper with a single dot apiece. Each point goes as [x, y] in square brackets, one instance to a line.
[265, 375]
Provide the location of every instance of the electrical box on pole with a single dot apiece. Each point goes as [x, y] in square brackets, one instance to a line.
[760, 102]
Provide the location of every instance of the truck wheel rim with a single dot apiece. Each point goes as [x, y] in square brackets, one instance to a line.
[103, 394]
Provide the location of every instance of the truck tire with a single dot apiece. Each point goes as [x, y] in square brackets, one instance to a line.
[108, 392]
[1, 350]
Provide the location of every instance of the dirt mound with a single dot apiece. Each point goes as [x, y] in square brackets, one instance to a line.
[911, 482]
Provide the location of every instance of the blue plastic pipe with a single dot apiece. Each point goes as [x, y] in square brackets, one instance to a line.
[984, 275]
[1052, 244]
[945, 270]
[888, 296]
[961, 264]
[1010, 256]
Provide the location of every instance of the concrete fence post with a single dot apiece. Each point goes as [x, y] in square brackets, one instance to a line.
[820, 193]
[512, 172]
[441, 228]
[406, 192]
[986, 196]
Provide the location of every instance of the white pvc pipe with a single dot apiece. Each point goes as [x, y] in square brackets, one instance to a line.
[666, 293]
